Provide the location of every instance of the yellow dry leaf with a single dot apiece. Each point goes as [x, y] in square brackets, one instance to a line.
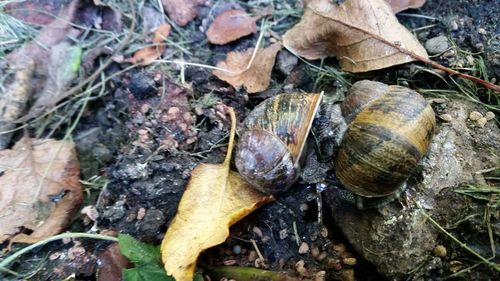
[39, 189]
[346, 31]
[255, 78]
[215, 198]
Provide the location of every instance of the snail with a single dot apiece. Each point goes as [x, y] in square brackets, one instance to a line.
[389, 129]
[268, 154]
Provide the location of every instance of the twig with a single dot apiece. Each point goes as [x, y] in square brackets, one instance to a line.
[257, 250]
[435, 65]
[296, 232]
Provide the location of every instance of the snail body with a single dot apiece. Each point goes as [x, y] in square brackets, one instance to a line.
[270, 147]
[389, 129]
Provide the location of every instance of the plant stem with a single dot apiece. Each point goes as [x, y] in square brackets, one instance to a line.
[14, 256]
[461, 244]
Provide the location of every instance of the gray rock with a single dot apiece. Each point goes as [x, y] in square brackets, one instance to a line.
[437, 45]
[286, 62]
[397, 237]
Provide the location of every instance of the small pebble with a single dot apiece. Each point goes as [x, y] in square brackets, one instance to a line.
[455, 266]
[236, 249]
[333, 264]
[349, 261]
[454, 25]
[324, 232]
[489, 115]
[446, 117]
[265, 239]
[283, 234]
[482, 121]
[474, 116]
[440, 251]
[315, 252]
[482, 31]
[304, 248]
[339, 248]
[141, 213]
[321, 256]
[252, 256]
[257, 231]
[299, 267]
[347, 275]
[437, 45]
[320, 276]
[303, 207]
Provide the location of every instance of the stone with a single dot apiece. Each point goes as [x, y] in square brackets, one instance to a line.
[475, 115]
[400, 230]
[437, 45]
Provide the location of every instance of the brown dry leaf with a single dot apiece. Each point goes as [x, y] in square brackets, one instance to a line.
[400, 5]
[39, 189]
[34, 11]
[255, 78]
[182, 11]
[343, 30]
[215, 199]
[148, 54]
[111, 264]
[229, 26]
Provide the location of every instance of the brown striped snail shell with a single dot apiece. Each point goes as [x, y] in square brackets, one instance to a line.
[270, 147]
[389, 131]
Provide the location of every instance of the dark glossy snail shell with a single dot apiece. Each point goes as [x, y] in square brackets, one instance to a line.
[389, 131]
[274, 135]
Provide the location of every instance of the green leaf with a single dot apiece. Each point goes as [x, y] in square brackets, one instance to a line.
[146, 259]
[141, 254]
[146, 273]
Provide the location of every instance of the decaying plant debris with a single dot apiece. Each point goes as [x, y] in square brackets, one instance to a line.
[121, 108]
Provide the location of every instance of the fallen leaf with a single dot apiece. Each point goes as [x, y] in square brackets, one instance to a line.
[148, 54]
[62, 68]
[229, 26]
[111, 264]
[343, 30]
[182, 11]
[50, 35]
[215, 199]
[255, 78]
[13, 100]
[55, 62]
[39, 189]
[400, 5]
[35, 11]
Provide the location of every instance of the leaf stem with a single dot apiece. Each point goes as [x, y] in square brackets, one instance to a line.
[425, 60]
